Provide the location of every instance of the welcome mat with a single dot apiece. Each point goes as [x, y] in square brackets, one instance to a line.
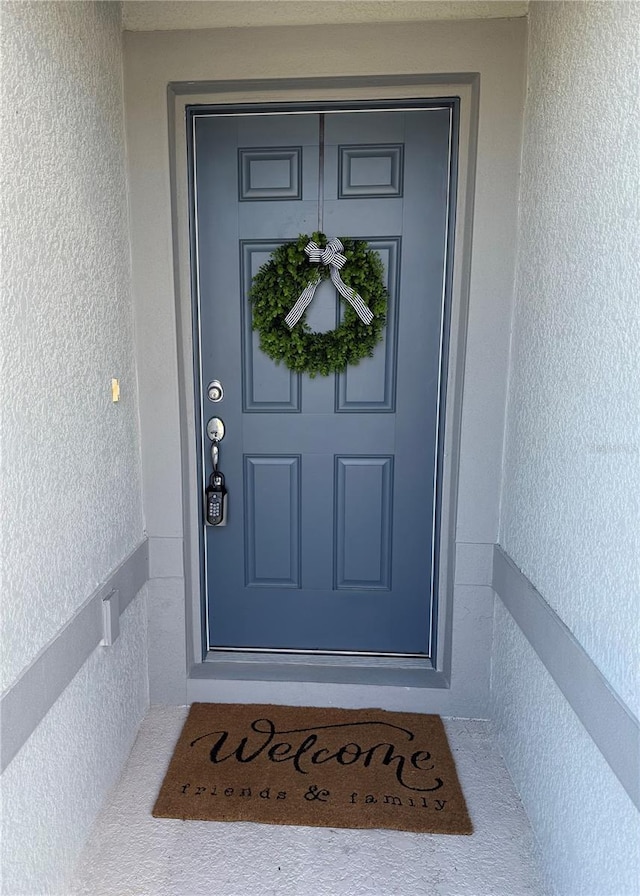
[363, 768]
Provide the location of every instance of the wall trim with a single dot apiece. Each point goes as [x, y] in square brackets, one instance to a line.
[608, 721]
[384, 89]
[27, 701]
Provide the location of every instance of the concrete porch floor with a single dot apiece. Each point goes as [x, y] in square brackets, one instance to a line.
[130, 853]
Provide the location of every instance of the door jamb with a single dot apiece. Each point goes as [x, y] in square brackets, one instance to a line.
[340, 669]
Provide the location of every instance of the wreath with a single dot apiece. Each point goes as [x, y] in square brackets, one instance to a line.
[284, 286]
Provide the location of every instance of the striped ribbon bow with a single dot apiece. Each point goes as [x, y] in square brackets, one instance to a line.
[331, 256]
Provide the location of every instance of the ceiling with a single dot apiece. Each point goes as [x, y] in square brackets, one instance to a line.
[169, 15]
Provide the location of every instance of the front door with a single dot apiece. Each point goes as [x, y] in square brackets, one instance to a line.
[329, 542]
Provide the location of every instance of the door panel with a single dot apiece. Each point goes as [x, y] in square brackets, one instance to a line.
[272, 528]
[330, 536]
[267, 387]
[363, 524]
[370, 385]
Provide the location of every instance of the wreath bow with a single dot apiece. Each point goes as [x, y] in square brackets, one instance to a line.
[332, 257]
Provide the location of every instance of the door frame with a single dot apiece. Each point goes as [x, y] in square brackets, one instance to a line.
[435, 672]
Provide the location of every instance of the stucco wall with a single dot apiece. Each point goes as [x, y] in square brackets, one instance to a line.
[587, 827]
[70, 478]
[55, 787]
[71, 504]
[571, 495]
[571, 488]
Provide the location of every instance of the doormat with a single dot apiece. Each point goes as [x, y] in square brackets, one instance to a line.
[361, 768]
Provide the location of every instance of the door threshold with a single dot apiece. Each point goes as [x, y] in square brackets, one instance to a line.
[383, 671]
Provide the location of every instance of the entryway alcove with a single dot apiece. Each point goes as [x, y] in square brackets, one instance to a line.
[523, 623]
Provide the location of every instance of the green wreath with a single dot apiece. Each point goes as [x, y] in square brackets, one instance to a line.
[277, 286]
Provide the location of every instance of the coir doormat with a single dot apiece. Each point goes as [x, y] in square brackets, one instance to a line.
[363, 768]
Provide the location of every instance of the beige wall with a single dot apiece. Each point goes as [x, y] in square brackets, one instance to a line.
[495, 50]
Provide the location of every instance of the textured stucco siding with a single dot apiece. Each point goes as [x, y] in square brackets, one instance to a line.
[587, 827]
[571, 491]
[70, 477]
[54, 788]
[71, 495]
[570, 514]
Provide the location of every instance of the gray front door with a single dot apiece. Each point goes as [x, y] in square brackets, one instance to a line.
[331, 515]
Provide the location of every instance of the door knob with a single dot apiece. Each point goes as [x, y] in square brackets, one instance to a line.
[215, 429]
